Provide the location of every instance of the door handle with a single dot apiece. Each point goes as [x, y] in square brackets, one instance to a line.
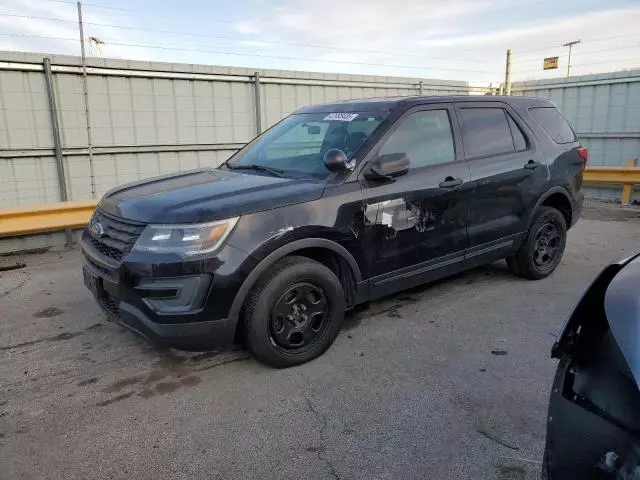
[451, 182]
[532, 165]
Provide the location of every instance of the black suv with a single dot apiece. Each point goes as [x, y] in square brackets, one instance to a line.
[335, 205]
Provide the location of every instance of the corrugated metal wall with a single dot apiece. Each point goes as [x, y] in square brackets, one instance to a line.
[603, 109]
[149, 118]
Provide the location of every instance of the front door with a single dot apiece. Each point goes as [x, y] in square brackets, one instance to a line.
[416, 223]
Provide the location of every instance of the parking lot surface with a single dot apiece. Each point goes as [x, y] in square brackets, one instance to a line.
[445, 381]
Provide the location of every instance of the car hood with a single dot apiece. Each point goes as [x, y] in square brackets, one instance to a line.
[205, 195]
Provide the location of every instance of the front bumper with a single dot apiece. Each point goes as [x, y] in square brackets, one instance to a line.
[170, 303]
[186, 336]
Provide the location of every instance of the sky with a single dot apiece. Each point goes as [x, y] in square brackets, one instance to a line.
[445, 39]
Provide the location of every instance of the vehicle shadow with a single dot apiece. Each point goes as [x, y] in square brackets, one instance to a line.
[493, 272]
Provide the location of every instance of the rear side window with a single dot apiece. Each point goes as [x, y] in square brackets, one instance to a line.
[518, 137]
[556, 126]
[485, 131]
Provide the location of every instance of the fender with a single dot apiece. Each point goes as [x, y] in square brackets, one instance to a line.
[276, 255]
[545, 195]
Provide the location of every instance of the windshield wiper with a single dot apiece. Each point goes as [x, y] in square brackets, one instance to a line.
[262, 168]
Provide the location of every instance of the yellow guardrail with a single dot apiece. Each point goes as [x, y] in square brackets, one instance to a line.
[58, 216]
[627, 176]
[45, 218]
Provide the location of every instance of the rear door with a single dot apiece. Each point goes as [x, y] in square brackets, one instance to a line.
[416, 223]
[507, 171]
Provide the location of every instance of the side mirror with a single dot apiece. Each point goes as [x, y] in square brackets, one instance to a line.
[388, 166]
[335, 160]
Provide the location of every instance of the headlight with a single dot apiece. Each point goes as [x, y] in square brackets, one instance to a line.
[186, 239]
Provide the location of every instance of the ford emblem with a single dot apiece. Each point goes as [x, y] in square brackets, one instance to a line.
[96, 230]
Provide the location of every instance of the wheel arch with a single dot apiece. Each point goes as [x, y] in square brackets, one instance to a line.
[308, 247]
[558, 198]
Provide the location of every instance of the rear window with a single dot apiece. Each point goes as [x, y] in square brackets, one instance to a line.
[485, 131]
[556, 126]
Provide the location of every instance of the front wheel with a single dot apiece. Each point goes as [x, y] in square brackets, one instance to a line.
[543, 247]
[295, 312]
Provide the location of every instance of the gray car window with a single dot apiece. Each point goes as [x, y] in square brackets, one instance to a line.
[485, 131]
[556, 126]
[425, 137]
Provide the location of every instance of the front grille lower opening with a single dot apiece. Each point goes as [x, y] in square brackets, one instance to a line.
[110, 306]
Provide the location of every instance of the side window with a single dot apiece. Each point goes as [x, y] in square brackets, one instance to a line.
[552, 121]
[485, 131]
[425, 137]
[518, 137]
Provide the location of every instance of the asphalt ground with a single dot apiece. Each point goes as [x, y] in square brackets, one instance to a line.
[446, 381]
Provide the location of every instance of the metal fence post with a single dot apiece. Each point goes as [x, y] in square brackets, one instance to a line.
[421, 87]
[256, 89]
[57, 142]
[85, 91]
[507, 74]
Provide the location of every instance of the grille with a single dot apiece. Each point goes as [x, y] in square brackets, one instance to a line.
[110, 306]
[104, 272]
[119, 235]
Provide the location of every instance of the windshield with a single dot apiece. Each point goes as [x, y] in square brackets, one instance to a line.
[298, 143]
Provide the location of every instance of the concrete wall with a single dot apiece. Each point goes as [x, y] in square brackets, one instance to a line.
[604, 110]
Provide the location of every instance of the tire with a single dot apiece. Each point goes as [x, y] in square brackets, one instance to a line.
[543, 246]
[283, 326]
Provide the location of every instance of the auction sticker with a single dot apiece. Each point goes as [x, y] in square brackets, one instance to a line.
[341, 117]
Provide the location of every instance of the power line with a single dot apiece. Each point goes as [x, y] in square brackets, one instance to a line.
[47, 37]
[241, 54]
[296, 44]
[164, 47]
[607, 61]
[94, 5]
[229, 37]
[583, 52]
[31, 17]
[218, 21]
[597, 39]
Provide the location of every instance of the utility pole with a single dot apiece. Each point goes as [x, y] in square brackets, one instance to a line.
[570, 44]
[86, 103]
[507, 74]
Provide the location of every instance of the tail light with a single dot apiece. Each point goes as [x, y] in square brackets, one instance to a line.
[584, 155]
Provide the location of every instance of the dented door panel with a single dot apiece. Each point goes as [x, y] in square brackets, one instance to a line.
[413, 220]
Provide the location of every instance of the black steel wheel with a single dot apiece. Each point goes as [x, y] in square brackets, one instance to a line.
[547, 243]
[543, 246]
[300, 317]
[294, 313]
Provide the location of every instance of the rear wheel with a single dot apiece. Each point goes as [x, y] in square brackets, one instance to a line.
[543, 247]
[294, 313]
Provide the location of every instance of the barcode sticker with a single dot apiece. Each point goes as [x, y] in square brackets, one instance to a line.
[341, 117]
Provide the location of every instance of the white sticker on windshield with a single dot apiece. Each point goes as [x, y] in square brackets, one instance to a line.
[341, 117]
